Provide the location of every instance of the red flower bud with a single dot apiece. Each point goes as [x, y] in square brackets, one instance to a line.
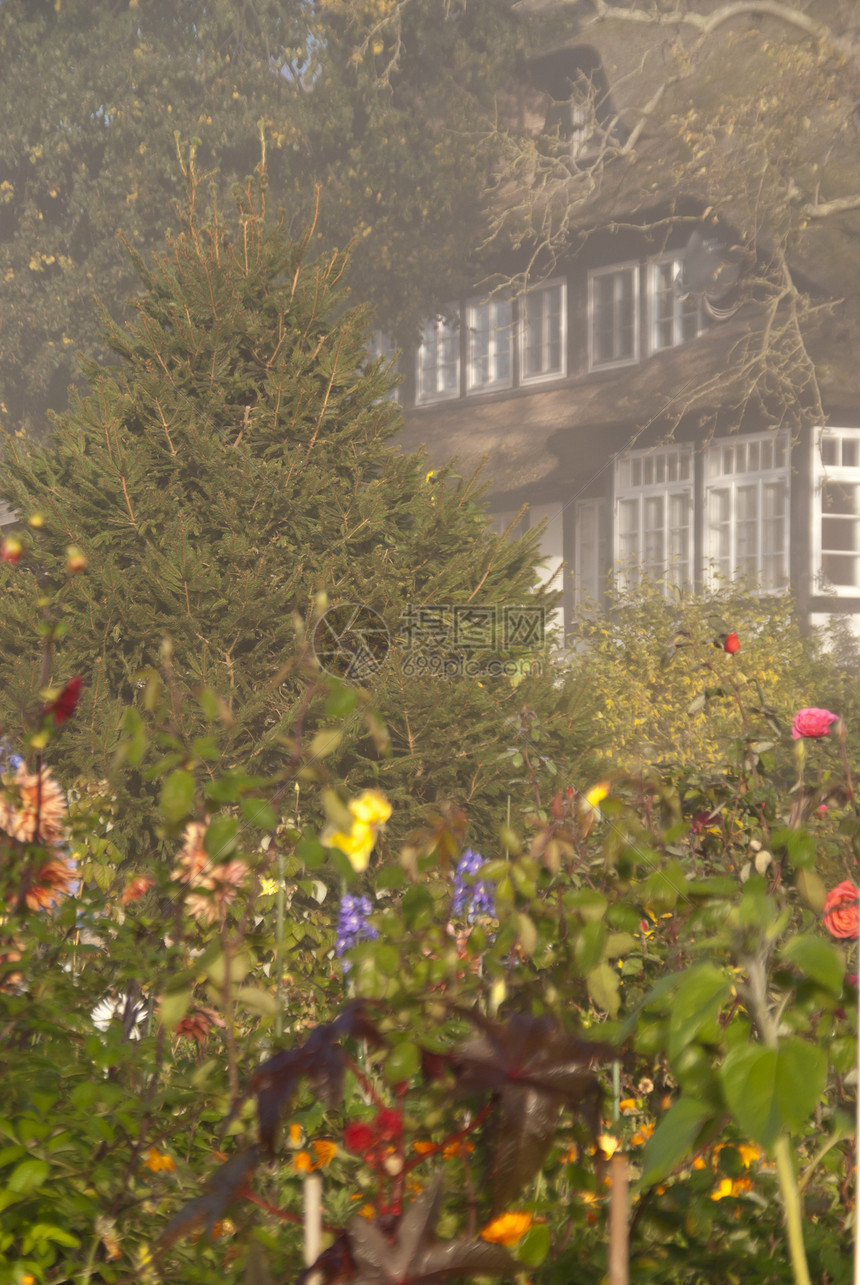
[66, 703]
[11, 549]
[732, 644]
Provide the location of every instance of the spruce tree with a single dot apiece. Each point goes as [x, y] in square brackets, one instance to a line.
[233, 470]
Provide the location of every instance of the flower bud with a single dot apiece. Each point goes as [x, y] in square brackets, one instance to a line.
[36, 521]
[75, 560]
[11, 549]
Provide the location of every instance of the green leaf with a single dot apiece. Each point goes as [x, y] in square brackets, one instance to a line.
[620, 944]
[661, 890]
[341, 701]
[220, 837]
[177, 796]
[588, 904]
[771, 1090]
[310, 850]
[588, 947]
[390, 877]
[28, 1176]
[602, 983]
[240, 967]
[173, 1008]
[402, 1062]
[417, 907]
[259, 1001]
[819, 960]
[699, 999]
[672, 1138]
[534, 1246]
[324, 742]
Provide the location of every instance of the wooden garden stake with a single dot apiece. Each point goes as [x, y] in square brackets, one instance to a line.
[313, 1222]
[618, 1209]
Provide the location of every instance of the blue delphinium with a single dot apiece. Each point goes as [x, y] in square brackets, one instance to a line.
[9, 762]
[352, 925]
[472, 897]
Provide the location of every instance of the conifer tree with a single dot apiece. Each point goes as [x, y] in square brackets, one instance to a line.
[235, 469]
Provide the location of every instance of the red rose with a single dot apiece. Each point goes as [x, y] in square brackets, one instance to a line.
[841, 917]
[812, 722]
[358, 1138]
[732, 644]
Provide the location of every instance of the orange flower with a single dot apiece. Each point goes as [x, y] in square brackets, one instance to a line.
[52, 881]
[197, 1025]
[40, 812]
[158, 1160]
[642, 1135]
[302, 1162]
[462, 1147]
[423, 1147]
[325, 1151]
[135, 888]
[508, 1228]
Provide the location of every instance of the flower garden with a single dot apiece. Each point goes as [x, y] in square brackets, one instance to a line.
[620, 1046]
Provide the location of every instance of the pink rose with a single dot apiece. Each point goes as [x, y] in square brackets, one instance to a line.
[841, 910]
[812, 722]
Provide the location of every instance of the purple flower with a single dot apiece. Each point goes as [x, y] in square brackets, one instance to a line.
[472, 897]
[352, 924]
[8, 760]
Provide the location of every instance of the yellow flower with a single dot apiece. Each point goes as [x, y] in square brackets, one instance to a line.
[371, 810]
[296, 1132]
[728, 1187]
[597, 794]
[748, 1153]
[508, 1228]
[372, 807]
[158, 1160]
[699, 1162]
[325, 1151]
[627, 1104]
[608, 1144]
[268, 887]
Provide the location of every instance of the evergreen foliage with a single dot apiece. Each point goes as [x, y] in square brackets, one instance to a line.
[230, 474]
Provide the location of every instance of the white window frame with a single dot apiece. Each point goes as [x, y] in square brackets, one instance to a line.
[829, 441]
[500, 341]
[533, 292]
[652, 269]
[758, 461]
[437, 330]
[632, 270]
[643, 476]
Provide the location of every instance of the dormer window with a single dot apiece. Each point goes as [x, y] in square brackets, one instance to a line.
[543, 332]
[613, 316]
[490, 345]
[439, 361]
[672, 320]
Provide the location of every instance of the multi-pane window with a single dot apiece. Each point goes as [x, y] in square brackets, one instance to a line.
[653, 515]
[491, 330]
[439, 360]
[671, 320]
[746, 499]
[613, 308]
[542, 332]
[836, 544]
[589, 563]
